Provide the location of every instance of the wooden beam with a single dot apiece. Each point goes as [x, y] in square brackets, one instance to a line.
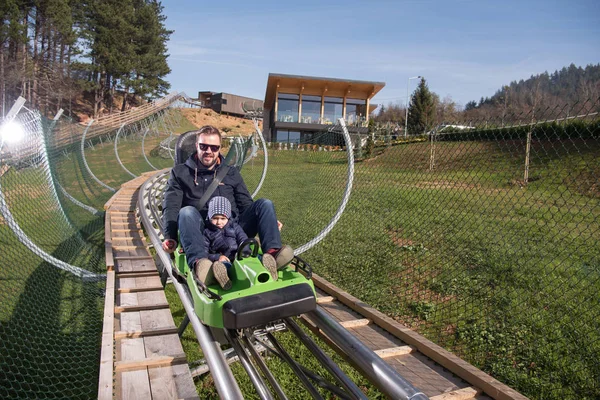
[355, 323]
[459, 394]
[122, 247]
[139, 289]
[108, 250]
[325, 299]
[153, 362]
[134, 258]
[122, 309]
[135, 274]
[147, 332]
[454, 364]
[394, 351]
[105, 381]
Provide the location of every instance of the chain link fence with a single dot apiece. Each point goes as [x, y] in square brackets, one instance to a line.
[52, 269]
[482, 235]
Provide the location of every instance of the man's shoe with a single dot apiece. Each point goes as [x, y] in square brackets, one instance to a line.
[202, 268]
[220, 272]
[284, 256]
[270, 264]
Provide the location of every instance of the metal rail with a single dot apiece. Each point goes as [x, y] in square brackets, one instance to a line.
[225, 383]
[383, 376]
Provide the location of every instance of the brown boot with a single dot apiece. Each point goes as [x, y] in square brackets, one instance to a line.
[284, 256]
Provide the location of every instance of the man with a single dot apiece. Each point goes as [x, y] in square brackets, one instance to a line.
[186, 185]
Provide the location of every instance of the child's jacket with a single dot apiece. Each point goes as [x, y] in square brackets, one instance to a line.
[223, 241]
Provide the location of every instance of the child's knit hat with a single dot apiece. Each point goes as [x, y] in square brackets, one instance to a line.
[219, 205]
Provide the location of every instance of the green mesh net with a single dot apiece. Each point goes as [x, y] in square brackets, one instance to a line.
[481, 235]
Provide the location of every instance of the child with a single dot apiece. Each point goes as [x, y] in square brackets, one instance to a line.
[222, 236]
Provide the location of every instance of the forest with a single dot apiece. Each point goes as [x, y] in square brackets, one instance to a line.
[82, 56]
[562, 93]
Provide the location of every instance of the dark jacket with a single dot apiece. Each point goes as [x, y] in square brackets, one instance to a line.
[223, 241]
[187, 184]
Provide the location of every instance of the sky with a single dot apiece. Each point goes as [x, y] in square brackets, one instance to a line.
[464, 49]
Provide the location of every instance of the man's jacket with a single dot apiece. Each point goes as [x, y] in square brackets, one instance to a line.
[187, 184]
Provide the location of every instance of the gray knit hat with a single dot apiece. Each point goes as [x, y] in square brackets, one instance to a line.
[219, 205]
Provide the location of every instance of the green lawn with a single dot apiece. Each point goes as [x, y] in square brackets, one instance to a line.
[504, 274]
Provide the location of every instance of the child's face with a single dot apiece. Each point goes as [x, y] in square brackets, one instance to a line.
[219, 220]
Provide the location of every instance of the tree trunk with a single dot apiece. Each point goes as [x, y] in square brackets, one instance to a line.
[36, 35]
[124, 105]
[24, 59]
[2, 81]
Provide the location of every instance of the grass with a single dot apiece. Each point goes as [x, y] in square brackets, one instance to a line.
[504, 273]
[505, 276]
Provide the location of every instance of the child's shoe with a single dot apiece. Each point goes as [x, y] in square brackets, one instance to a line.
[220, 272]
[270, 264]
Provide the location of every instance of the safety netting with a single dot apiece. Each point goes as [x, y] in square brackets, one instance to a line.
[55, 177]
[482, 235]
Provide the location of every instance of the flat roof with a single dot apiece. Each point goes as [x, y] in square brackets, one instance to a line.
[315, 85]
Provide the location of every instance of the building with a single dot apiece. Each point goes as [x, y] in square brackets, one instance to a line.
[296, 107]
[231, 104]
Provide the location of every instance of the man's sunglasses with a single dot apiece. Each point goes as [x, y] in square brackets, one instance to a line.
[213, 147]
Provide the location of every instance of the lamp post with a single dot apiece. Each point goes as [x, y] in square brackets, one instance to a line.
[406, 118]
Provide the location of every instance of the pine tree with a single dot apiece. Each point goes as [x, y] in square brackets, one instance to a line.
[421, 110]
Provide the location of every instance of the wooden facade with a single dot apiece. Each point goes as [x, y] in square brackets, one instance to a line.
[345, 96]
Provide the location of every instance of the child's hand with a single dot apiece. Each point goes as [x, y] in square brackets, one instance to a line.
[223, 258]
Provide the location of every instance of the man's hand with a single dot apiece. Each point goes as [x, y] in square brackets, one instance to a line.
[279, 225]
[169, 245]
[223, 258]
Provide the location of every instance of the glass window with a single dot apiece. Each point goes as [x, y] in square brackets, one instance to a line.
[287, 136]
[333, 109]
[307, 97]
[282, 136]
[287, 107]
[294, 137]
[355, 110]
[311, 109]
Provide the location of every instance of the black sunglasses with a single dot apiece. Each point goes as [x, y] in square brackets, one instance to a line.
[213, 147]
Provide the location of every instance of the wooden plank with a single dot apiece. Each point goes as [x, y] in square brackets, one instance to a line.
[141, 333]
[459, 367]
[108, 253]
[141, 232]
[122, 309]
[122, 247]
[355, 323]
[325, 299]
[135, 274]
[394, 351]
[134, 258]
[159, 361]
[173, 382]
[460, 394]
[129, 321]
[105, 381]
[156, 319]
[133, 385]
[139, 289]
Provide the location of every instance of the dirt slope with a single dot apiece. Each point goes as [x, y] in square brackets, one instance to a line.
[228, 125]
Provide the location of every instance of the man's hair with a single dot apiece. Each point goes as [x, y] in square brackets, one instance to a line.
[207, 130]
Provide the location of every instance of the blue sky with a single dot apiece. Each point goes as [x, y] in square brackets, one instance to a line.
[464, 49]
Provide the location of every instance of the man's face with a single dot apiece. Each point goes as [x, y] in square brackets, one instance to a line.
[208, 147]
